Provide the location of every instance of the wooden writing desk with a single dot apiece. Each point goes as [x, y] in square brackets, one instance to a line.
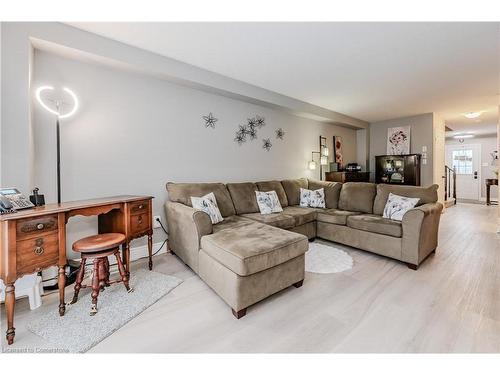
[34, 239]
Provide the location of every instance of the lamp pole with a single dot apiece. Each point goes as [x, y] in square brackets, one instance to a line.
[59, 116]
[58, 138]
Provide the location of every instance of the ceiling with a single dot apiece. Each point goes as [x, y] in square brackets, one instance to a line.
[371, 71]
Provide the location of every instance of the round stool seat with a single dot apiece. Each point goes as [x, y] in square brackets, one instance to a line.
[99, 243]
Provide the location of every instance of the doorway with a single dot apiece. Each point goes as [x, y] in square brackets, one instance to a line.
[466, 160]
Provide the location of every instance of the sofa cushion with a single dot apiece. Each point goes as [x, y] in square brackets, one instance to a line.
[277, 187]
[332, 191]
[376, 224]
[254, 247]
[182, 193]
[243, 195]
[334, 216]
[292, 189]
[425, 194]
[357, 196]
[268, 202]
[279, 220]
[312, 198]
[301, 215]
[208, 204]
[397, 206]
[231, 222]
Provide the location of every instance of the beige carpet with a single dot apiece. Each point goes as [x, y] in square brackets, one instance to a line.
[77, 331]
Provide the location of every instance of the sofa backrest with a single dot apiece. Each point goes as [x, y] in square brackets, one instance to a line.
[292, 189]
[426, 194]
[357, 196]
[239, 198]
[182, 193]
[276, 186]
[332, 191]
[243, 196]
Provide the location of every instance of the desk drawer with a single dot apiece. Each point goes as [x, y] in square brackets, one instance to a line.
[139, 207]
[139, 223]
[35, 227]
[37, 253]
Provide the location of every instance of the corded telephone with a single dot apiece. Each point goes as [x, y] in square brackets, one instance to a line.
[11, 200]
[5, 205]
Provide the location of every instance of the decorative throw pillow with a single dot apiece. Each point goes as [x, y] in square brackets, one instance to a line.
[312, 198]
[208, 204]
[397, 206]
[268, 202]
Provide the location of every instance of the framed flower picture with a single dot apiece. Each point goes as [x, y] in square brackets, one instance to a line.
[398, 140]
[337, 152]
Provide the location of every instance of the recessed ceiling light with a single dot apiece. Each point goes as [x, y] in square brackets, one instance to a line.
[472, 114]
[463, 136]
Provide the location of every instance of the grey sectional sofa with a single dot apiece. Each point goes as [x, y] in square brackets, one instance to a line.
[249, 256]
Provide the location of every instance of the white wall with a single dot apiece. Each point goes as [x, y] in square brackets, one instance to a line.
[498, 145]
[438, 154]
[18, 39]
[488, 145]
[0, 104]
[134, 133]
[363, 148]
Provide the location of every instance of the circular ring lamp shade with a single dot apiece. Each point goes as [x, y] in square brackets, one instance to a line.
[73, 96]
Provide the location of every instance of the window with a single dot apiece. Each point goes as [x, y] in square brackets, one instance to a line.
[462, 161]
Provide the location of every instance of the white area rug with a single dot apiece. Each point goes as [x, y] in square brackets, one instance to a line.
[327, 259]
[77, 331]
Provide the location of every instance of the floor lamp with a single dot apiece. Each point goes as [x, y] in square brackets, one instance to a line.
[57, 103]
[323, 157]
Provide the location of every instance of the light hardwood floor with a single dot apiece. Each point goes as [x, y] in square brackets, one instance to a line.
[451, 304]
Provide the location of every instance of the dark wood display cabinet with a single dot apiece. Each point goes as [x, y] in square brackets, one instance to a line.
[398, 169]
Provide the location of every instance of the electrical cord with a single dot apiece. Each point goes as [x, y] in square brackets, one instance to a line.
[162, 227]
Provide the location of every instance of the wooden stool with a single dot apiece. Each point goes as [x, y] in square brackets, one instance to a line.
[98, 248]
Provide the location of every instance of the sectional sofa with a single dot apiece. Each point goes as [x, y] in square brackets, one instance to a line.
[249, 256]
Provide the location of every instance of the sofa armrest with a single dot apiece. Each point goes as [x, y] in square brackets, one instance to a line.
[420, 232]
[186, 226]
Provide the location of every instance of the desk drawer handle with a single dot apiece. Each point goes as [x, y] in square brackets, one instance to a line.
[40, 226]
[139, 219]
[141, 207]
[38, 250]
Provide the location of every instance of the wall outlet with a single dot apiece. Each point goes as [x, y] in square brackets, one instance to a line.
[156, 224]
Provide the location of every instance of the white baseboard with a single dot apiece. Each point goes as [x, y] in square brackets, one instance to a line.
[139, 252]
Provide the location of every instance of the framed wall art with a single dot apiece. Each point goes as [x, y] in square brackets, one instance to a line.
[398, 140]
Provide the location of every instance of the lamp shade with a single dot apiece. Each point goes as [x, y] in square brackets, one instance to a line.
[74, 98]
[325, 151]
[312, 165]
[323, 160]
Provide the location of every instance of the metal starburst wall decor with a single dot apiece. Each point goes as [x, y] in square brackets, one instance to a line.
[280, 133]
[210, 121]
[250, 129]
[267, 144]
